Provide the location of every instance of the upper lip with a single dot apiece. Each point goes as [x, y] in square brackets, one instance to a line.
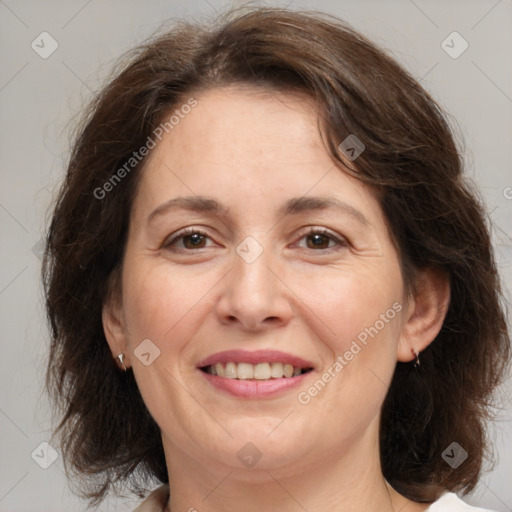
[255, 357]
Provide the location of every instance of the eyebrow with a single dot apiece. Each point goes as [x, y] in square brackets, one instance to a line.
[296, 205]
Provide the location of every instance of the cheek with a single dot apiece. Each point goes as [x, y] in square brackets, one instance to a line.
[161, 303]
[166, 307]
[352, 303]
[356, 313]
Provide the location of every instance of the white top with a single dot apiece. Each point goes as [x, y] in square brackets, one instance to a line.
[448, 502]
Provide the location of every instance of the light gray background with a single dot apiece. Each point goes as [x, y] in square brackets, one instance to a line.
[40, 97]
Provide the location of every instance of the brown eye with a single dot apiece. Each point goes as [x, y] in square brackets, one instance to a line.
[317, 241]
[187, 240]
[322, 240]
[194, 241]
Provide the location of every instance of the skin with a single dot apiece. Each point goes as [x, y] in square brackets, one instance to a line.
[252, 151]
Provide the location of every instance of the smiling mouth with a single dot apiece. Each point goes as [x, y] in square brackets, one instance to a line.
[259, 371]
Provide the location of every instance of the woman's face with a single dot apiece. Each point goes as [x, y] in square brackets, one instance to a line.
[286, 281]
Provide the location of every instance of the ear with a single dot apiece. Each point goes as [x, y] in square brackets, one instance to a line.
[426, 312]
[114, 328]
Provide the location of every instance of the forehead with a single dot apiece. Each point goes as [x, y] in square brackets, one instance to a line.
[243, 121]
[249, 146]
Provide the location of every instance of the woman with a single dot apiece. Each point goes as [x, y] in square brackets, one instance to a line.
[269, 286]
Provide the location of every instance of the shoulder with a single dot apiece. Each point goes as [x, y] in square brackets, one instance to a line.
[156, 501]
[449, 502]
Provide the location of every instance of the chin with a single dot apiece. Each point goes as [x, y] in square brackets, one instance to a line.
[262, 444]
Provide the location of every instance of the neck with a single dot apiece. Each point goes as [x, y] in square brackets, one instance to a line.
[348, 482]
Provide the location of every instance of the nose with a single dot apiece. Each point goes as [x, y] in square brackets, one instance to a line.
[254, 295]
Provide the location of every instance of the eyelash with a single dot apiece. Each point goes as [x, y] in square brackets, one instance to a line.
[311, 231]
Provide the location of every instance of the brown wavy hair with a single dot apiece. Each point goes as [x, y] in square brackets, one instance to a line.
[410, 159]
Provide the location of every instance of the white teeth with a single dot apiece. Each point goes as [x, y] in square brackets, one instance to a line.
[220, 369]
[245, 371]
[262, 371]
[277, 370]
[259, 371]
[230, 371]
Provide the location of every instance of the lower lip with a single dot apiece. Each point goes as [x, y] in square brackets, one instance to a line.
[255, 388]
